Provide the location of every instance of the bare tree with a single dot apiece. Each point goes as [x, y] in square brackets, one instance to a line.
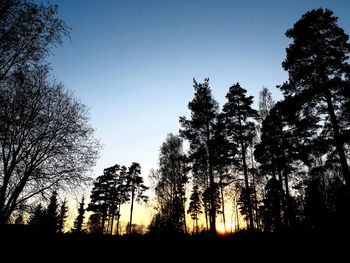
[27, 32]
[45, 139]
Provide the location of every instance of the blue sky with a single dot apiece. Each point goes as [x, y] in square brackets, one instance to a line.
[132, 62]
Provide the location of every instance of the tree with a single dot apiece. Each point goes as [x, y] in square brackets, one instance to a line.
[27, 33]
[51, 216]
[99, 200]
[79, 220]
[136, 188]
[37, 218]
[45, 139]
[110, 191]
[170, 184]
[199, 131]
[272, 204]
[195, 208]
[222, 163]
[266, 103]
[318, 68]
[62, 216]
[239, 117]
[315, 204]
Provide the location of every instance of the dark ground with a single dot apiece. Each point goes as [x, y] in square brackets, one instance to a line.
[30, 243]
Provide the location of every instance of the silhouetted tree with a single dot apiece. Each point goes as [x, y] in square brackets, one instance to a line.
[317, 63]
[99, 201]
[170, 180]
[45, 138]
[62, 216]
[222, 162]
[199, 131]
[79, 220]
[195, 208]
[272, 203]
[136, 188]
[27, 32]
[51, 216]
[94, 224]
[38, 216]
[315, 205]
[122, 193]
[266, 103]
[239, 116]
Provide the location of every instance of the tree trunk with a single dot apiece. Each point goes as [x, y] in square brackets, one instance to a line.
[184, 213]
[118, 219]
[246, 181]
[193, 226]
[212, 202]
[112, 222]
[223, 207]
[237, 218]
[131, 210]
[212, 211]
[255, 195]
[206, 217]
[337, 139]
[286, 185]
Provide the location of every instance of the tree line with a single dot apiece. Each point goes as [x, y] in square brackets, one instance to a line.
[284, 165]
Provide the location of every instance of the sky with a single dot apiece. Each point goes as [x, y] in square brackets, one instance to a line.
[132, 62]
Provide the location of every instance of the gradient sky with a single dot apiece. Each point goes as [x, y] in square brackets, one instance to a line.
[132, 62]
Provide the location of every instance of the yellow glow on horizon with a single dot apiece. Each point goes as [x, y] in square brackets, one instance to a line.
[220, 228]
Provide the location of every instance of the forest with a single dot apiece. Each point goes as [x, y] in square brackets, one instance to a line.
[281, 168]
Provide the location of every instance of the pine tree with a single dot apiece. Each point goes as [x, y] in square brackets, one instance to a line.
[52, 214]
[199, 131]
[79, 220]
[62, 216]
[318, 68]
[38, 216]
[239, 117]
[195, 208]
[136, 189]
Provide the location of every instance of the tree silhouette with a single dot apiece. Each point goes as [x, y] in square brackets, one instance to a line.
[136, 189]
[51, 217]
[195, 208]
[272, 204]
[62, 216]
[170, 180]
[317, 64]
[239, 116]
[28, 31]
[266, 103]
[199, 131]
[45, 138]
[37, 218]
[79, 220]
[99, 202]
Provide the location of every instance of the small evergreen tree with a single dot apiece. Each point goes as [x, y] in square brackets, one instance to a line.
[195, 208]
[62, 216]
[51, 216]
[38, 216]
[79, 220]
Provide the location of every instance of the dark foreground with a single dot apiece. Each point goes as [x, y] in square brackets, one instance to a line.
[29, 243]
